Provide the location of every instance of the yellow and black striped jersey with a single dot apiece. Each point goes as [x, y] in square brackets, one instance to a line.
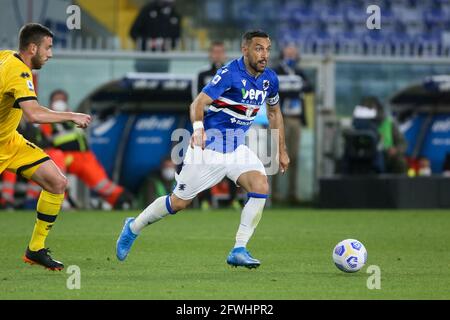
[16, 85]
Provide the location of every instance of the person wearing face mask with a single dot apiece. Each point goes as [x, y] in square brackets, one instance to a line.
[161, 182]
[79, 160]
[293, 111]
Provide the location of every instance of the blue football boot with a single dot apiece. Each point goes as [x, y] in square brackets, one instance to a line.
[125, 240]
[240, 257]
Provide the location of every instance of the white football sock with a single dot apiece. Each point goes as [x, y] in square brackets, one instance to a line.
[157, 210]
[251, 214]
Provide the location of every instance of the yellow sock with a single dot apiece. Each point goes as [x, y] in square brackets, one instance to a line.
[48, 208]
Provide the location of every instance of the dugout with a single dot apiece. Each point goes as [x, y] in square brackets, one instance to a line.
[423, 112]
[134, 118]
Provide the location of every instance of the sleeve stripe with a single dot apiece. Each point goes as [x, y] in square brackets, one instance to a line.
[273, 101]
[19, 100]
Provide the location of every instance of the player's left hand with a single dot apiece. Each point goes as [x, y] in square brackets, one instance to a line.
[284, 161]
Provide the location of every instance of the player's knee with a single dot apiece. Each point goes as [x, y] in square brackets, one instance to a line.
[260, 185]
[59, 184]
[178, 204]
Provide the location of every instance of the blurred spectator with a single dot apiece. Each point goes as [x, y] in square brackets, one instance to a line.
[160, 183]
[7, 190]
[363, 154]
[424, 167]
[217, 59]
[157, 26]
[393, 143]
[377, 142]
[79, 160]
[293, 109]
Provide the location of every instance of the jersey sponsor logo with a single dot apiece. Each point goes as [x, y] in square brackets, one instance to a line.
[240, 122]
[253, 94]
[216, 79]
[30, 85]
[25, 75]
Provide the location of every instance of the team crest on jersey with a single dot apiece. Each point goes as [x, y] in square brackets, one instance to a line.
[266, 84]
[244, 82]
[25, 75]
[30, 85]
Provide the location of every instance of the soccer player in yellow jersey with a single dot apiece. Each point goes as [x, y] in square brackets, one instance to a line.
[17, 97]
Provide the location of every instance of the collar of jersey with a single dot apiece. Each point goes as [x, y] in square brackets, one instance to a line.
[18, 57]
[243, 68]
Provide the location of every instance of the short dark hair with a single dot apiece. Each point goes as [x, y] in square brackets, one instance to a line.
[58, 91]
[216, 43]
[249, 35]
[32, 33]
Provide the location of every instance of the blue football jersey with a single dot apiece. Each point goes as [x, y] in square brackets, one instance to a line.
[237, 97]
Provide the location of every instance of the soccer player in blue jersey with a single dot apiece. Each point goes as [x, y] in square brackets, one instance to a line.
[234, 96]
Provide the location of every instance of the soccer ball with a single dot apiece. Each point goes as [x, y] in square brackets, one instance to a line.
[349, 255]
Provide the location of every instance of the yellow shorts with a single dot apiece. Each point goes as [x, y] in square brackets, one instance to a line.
[21, 156]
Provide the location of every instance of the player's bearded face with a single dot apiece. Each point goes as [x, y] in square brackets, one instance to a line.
[37, 61]
[258, 53]
[43, 53]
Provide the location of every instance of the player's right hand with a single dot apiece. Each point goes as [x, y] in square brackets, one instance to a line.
[81, 120]
[198, 138]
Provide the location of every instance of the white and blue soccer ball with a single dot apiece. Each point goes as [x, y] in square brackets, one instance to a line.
[349, 255]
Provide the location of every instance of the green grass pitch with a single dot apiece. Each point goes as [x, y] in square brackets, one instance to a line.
[183, 257]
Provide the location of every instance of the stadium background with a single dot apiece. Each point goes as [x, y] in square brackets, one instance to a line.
[344, 59]
[339, 53]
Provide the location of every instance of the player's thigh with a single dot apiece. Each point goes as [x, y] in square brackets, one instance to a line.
[248, 171]
[58, 158]
[50, 177]
[27, 159]
[197, 176]
[254, 181]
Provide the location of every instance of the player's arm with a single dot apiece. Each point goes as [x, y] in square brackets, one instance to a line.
[196, 112]
[36, 113]
[219, 84]
[276, 122]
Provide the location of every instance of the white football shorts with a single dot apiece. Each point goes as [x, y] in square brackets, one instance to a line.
[203, 169]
